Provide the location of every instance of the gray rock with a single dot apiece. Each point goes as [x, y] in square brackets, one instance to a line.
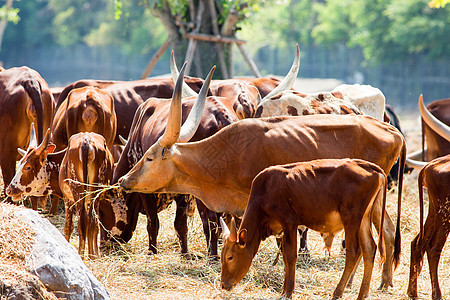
[57, 263]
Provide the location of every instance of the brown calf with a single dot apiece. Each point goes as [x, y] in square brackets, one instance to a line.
[87, 162]
[435, 176]
[284, 197]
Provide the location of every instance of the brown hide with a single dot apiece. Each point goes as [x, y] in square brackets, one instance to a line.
[435, 176]
[128, 95]
[284, 197]
[148, 125]
[86, 109]
[241, 97]
[87, 162]
[25, 98]
[435, 144]
[264, 85]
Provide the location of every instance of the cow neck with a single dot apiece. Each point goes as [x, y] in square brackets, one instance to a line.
[52, 167]
[252, 223]
[195, 178]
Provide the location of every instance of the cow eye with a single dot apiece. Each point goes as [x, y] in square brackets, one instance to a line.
[149, 159]
[230, 257]
[27, 168]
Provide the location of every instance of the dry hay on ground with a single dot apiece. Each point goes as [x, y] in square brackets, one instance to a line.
[16, 241]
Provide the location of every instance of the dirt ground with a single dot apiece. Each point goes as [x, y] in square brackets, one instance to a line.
[132, 273]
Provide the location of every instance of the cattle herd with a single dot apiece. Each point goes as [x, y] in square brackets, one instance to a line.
[273, 160]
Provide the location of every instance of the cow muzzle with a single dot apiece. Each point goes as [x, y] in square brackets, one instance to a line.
[14, 193]
[228, 286]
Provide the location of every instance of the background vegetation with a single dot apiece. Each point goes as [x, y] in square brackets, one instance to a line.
[399, 46]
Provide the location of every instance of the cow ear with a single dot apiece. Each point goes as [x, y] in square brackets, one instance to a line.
[242, 237]
[51, 148]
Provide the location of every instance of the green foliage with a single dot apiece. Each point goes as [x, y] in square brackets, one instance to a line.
[10, 15]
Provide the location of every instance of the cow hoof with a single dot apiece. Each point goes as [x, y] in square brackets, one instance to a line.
[304, 256]
[385, 285]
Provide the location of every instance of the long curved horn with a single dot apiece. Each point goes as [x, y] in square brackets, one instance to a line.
[193, 120]
[21, 151]
[439, 127]
[123, 140]
[416, 164]
[187, 91]
[173, 126]
[225, 230]
[44, 144]
[33, 140]
[288, 82]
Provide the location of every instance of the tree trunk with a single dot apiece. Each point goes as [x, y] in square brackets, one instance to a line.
[206, 54]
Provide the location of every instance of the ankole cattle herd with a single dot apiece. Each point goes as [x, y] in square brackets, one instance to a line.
[256, 157]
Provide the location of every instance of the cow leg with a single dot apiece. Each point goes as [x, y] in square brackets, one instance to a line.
[415, 267]
[149, 203]
[82, 227]
[54, 207]
[8, 168]
[180, 222]
[34, 202]
[289, 249]
[303, 249]
[388, 235]
[368, 247]
[434, 254]
[210, 228]
[68, 223]
[352, 257]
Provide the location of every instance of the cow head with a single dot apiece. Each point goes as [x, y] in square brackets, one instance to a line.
[236, 258]
[32, 178]
[157, 162]
[436, 125]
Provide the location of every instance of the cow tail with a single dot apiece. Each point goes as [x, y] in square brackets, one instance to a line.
[33, 89]
[420, 181]
[401, 171]
[381, 246]
[423, 139]
[84, 157]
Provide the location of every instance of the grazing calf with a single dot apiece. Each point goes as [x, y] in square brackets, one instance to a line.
[87, 162]
[435, 176]
[285, 197]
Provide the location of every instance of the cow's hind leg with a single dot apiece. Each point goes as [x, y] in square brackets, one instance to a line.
[83, 223]
[434, 254]
[388, 235]
[352, 256]
[417, 251]
[368, 247]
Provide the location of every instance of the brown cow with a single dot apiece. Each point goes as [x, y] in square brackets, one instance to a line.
[87, 162]
[219, 170]
[284, 197]
[148, 126]
[435, 132]
[435, 176]
[25, 98]
[128, 95]
[86, 109]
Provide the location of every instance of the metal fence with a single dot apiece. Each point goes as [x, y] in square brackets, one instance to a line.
[401, 82]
